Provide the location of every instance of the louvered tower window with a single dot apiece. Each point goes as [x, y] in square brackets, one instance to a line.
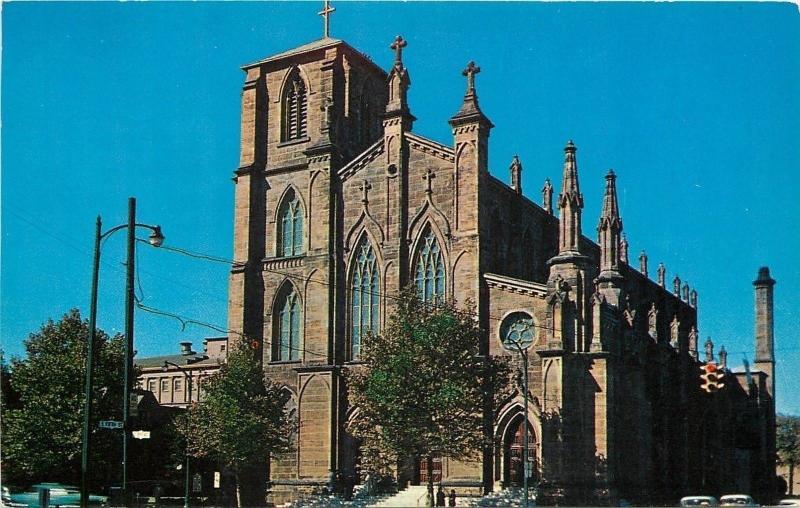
[429, 273]
[295, 109]
[365, 305]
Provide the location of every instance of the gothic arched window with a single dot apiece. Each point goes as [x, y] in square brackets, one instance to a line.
[429, 273]
[365, 304]
[517, 328]
[290, 226]
[295, 108]
[288, 326]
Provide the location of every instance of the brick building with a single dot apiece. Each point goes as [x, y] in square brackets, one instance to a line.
[168, 384]
[339, 204]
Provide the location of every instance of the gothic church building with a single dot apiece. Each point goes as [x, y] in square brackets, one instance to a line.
[339, 204]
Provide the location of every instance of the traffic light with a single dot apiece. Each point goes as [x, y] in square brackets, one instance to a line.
[711, 378]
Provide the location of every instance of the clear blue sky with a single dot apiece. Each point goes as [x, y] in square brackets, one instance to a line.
[695, 106]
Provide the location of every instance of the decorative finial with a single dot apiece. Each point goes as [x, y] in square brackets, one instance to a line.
[398, 45]
[662, 274]
[676, 285]
[709, 345]
[364, 188]
[547, 196]
[623, 249]
[428, 177]
[326, 13]
[570, 146]
[643, 263]
[470, 72]
[516, 174]
[693, 298]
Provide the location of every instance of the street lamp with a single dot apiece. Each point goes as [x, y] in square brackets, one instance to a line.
[156, 239]
[520, 340]
[187, 375]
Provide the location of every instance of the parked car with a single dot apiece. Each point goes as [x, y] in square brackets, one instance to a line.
[60, 495]
[737, 500]
[699, 501]
[789, 502]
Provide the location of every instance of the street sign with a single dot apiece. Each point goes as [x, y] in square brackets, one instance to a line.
[111, 424]
[216, 479]
[141, 434]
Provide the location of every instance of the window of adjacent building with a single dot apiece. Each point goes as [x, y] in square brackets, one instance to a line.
[295, 106]
[165, 385]
[429, 274]
[517, 327]
[290, 224]
[365, 304]
[177, 384]
[289, 322]
[151, 385]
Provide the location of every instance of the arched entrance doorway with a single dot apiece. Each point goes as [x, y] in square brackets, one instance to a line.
[513, 453]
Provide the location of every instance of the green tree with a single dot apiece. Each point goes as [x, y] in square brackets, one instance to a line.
[423, 388]
[242, 419]
[42, 431]
[787, 444]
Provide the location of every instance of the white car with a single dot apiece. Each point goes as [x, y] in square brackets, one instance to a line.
[737, 500]
[789, 502]
[699, 501]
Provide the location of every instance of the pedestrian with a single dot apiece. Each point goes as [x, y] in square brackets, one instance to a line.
[452, 500]
[440, 497]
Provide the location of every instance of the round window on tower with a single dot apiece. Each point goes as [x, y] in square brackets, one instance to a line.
[517, 331]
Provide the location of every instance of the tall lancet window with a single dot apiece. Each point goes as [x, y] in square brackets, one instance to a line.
[429, 273]
[289, 324]
[295, 108]
[365, 303]
[290, 226]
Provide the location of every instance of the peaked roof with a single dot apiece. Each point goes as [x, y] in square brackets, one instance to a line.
[324, 43]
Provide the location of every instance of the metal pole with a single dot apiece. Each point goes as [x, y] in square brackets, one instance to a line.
[524, 354]
[128, 373]
[87, 403]
[186, 450]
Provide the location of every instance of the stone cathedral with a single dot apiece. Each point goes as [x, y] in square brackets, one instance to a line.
[339, 204]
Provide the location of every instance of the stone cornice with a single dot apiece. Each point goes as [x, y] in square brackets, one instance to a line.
[367, 156]
[512, 285]
[428, 146]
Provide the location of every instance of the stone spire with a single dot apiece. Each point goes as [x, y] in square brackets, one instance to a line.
[623, 249]
[516, 174]
[399, 82]
[609, 230]
[685, 296]
[662, 275]
[723, 357]
[709, 345]
[643, 263]
[470, 111]
[693, 298]
[570, 203]
[676, 286]
[547, 196]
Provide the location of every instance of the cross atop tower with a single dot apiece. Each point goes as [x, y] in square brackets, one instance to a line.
[398, 45]
[326, 15]
[470, 72]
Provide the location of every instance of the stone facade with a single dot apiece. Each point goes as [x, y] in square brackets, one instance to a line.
[332, 173]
